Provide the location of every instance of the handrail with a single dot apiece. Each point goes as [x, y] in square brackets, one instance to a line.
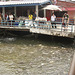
[35, 24]
[71, 21]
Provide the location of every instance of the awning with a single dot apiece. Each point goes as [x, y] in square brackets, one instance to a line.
[23, 3]
[52, 7]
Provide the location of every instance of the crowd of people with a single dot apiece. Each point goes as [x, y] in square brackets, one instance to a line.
[7, 16]
[65, 19]
[10, 16]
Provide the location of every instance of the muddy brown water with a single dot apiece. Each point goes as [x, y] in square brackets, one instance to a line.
[29, 56]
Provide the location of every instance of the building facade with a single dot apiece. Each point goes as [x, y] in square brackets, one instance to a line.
[69, 7]
[23, 7]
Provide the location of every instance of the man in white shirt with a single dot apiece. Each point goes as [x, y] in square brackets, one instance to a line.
[11, 17]
[53, 18]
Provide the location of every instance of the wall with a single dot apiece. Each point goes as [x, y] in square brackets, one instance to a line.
[48, 15]
[71, 14]
[66, 5]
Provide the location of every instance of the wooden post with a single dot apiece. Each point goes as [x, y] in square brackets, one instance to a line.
[15, 11]
[37, 10]
[72, 69]
[3, 13]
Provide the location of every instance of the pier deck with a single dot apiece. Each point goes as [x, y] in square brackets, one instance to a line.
[43, 28]
[69, 32]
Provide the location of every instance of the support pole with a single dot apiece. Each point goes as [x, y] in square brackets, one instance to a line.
[72, 69]
[28, 11]
[44, 13]
[37, 10]
[15, 12]
[3, 13]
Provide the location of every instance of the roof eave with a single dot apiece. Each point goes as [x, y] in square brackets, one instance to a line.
[17, 5]
[28, 4]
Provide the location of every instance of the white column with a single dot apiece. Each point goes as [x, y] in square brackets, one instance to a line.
[3, 12]
[44, 13]
[37, 10]
[15, 11]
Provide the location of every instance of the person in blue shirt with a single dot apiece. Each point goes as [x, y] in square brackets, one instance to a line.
[34, 16]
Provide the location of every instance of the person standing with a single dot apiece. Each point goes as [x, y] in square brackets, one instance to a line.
[30, 19]
[30, 16]
[7, 18]
[11, 17]
[34, 16]
[65, 20]
[53, 18]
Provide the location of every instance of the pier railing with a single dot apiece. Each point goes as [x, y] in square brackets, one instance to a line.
[38, 25]
[71, 21]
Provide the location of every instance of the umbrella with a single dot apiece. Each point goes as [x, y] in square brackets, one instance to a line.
[52, 7]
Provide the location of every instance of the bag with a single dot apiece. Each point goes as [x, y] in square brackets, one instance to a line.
[63, 24]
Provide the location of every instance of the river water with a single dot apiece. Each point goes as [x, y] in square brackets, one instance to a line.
[30, 56]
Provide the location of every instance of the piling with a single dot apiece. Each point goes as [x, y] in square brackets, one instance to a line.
[72, 69]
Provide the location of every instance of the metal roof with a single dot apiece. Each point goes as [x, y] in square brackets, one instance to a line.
[23, 3]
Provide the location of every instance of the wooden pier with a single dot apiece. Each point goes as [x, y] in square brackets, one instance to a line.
[43, 28]
[53, 32]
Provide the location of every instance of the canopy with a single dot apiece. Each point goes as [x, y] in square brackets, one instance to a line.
[52, 7]
[13, 3]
